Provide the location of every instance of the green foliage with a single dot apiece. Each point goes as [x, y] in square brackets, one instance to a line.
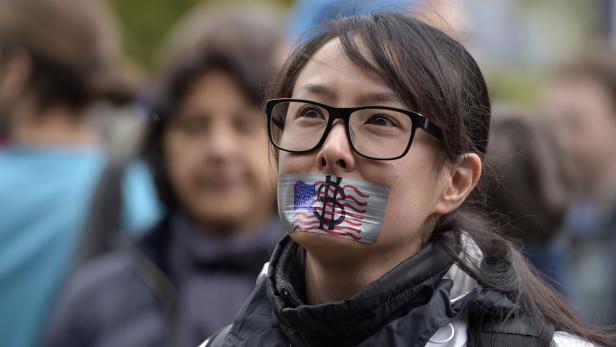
[520, 86]
[144, 24]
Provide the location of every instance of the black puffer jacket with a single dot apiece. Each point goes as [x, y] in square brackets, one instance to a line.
[425, 301]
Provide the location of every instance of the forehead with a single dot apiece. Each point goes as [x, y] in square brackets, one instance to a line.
[214, 89]
[331, 76]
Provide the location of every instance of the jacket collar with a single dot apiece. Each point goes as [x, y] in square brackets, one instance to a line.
[175, 233]
[201, 248]
[152, 244]
[410, 285]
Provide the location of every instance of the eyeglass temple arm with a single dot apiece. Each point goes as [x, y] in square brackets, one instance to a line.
[432, 129]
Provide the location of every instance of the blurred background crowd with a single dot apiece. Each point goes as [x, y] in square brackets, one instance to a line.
[137, 191]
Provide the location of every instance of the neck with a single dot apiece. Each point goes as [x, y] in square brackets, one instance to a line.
[57, 125]
[331, 280]
[261, 216]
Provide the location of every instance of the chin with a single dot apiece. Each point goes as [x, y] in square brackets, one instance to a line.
[218, 218]
[331, 248]
[222, 208]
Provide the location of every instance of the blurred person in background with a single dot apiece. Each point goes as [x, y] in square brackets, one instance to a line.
[580, 104]
[57, 59]
[208, 148]
[308, 15]
[529, 190]
[3, 129]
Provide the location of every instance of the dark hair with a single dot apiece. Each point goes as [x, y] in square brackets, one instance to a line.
[73, 48]
[529, 187]
[435, 75]
[244, 47]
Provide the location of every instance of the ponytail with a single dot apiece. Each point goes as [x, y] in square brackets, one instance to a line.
[504, 269]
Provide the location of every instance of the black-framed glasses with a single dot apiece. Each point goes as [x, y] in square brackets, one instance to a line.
[374, 132]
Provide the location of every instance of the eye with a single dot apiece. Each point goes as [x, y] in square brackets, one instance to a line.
[192, 125]
[382, 120]
[310, 112]
[246, 122]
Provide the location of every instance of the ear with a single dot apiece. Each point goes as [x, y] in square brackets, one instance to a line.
[16, 70]
[459, 183]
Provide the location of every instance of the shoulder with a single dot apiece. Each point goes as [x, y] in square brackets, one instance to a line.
[101, 277]
[98, 298]
[457, 336]
[97, 285]
[102, 272]
[127, 267]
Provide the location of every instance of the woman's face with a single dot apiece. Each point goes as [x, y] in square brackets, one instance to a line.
[414, 180]
[216, 151]
[582, 115]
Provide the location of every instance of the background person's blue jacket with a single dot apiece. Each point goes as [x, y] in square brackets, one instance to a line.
[45, 196]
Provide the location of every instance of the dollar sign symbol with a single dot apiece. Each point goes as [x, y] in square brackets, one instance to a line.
[323, 195]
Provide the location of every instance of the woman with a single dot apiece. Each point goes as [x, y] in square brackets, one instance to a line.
[580, 106]
[382, 250]
[529, 191]
[209, 152]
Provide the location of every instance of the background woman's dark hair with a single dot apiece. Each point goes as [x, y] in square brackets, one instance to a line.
[73, 47]
[246, 46]
[529, 188]
[435, 75]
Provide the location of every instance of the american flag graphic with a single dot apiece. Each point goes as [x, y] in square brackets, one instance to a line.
[330, 207]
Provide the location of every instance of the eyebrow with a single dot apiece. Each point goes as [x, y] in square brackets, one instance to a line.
[376, 98]
[364, 98]
[319, 90]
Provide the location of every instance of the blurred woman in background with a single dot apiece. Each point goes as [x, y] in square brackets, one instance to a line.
[529, 190]
[208, 149]
[57, 59]
[580, 105]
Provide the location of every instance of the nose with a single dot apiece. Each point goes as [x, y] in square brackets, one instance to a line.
[336, 155]
[221, 142]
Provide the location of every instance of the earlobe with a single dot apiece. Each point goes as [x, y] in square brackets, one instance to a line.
[460, 182]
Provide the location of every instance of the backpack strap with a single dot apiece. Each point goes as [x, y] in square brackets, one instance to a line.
[101, 232]
[509, 332]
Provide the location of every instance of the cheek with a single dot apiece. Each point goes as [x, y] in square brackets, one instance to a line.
[603, 132]
[297, 163]
[182, 161]
[411, 202]
[586, 142]
[259, 162]
[404, 206]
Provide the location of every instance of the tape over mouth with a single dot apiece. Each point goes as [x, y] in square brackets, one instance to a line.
[332, 205]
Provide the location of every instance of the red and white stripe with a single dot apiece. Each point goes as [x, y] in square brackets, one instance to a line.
[354, 203]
